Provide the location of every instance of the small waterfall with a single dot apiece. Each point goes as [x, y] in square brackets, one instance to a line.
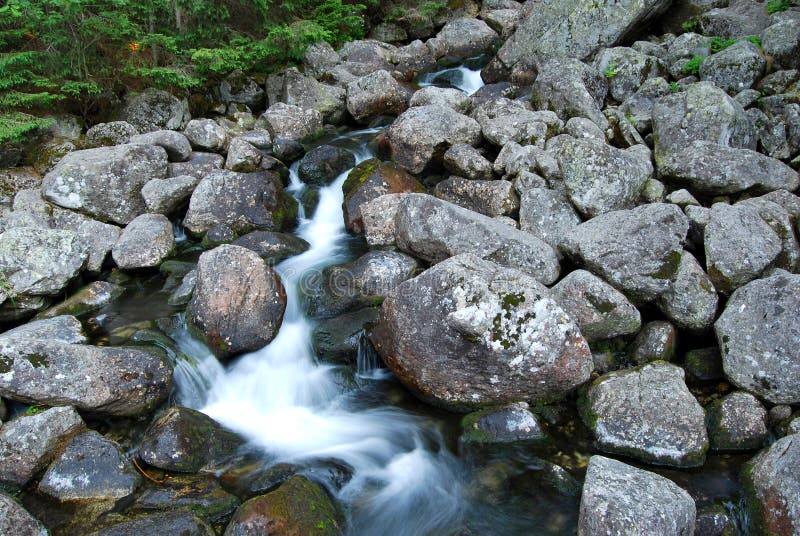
[462, 77]
[404, 480]
[368, 364]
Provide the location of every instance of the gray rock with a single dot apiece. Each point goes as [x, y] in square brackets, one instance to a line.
[621, 499]
[175, 143]
[503, 21]
[469, 332]
[701, 112]
[92, 297]
[183, 523]
[360, 283]
[15, 520]
[570, 88]
[756, 333]
[600, 178]
[657, 340]
[113, 133]
[206, 135]
[738, 19]
[691, 300]
[503, 120]
[582, 128]
[242, 156]
[154, 109]
[291, 122]
[506, 424]
[106, 182]
[463, 38]
[440, 96]
[238, 302]
[625, 410]
[165, 196]
[639, 106]
[182, 294]
[144, 243]
[46, 362]
[242, 201]
[309, 94]
[683, 198]
[239, 88]
[421, 135]
[704, 364]
[378, 219]
[566, 29]
[490, 198]
[199, 165]
[96, 237]
[272, 247]
[737, 421]
[320, 58]
[39, 261]
[433, 230]
[323, 164]
[466, 161]
[412, 59]
[600, 311]
[735, 68]
[338, 338]
[782, 42]
[626, 70]
[187, 441]
[739, 245]
[30, 442]
[547, 214]
[772, 486]
[780, 220]
[91, 468]
[698, 219]
[638, 251]
[376, 94]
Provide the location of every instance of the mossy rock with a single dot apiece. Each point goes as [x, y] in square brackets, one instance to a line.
[298, 507]
[201, 495]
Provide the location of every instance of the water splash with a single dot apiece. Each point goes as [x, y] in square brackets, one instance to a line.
[465, 78]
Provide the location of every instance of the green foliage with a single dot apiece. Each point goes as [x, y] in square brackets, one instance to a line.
[674, 87]
[431, 8]
[691, 25]
[397, 13]
[718, 44]
[692, 67]
[776, 6]
[756, 40]
[612, 70]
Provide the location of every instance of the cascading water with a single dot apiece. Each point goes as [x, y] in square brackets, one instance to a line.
[466, 77]
[404, 480]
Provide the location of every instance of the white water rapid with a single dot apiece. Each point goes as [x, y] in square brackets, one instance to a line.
[296, 409]
[461, 77]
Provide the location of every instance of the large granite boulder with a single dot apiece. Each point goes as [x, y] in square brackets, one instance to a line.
[376, 94]
[297, 89]
[462, 37]
[737, 421]
[469, 332]
[638, 251]
[206, 135]
[690, 302]
[291, 122]
[175, 143]
[154, 109]
[14, 519]
[570, 88]
[621, 499]
[321, 165]
[490, 198]
[106, 182]
[238, 302]
[757, 333]
[625, 410]
[144, 243]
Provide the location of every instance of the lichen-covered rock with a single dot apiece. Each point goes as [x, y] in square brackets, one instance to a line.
[600, 178]
[569, 29]
[626, 70]
[600, 311]
[238, 302]
[756, 334]
[378, 220]
[242, 201]
[201, 495]
[621, 499]
[206, 135]
[30, 442]
[199, 165]
[338, 338]
[469, 332]
[175, 143]
[154, 109]
[321, 165]
[47, 362]
[547, 214]
[638, 251]
[465, 161]
[782, 42]
[625, 410]
[298, 506]
[737, 421]
[421, 135]
[463, 38]
[376, 94]
[505, 424]
[113, 133]
[490, 198]
[320, 58]
[369, 180]
[165, 196]
[735, 68]
[658, 340]
[734, 20]
[15, 520]
[739, 245]
[242, 156]
[292, 122]
[106, 182]
[307, 93]
[96, 237]
[691, 300]
[433, 230]
[503, 120]
[144, 243]
[91, 468]
[186, 441]
[639, 106]
[440, 96]
[570, 88]
[772, 487]
[272, 247]
[182, 523]
[39, 262]
[239, 88]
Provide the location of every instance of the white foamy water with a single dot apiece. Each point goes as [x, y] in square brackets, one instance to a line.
[462, 77]
[285, 402]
